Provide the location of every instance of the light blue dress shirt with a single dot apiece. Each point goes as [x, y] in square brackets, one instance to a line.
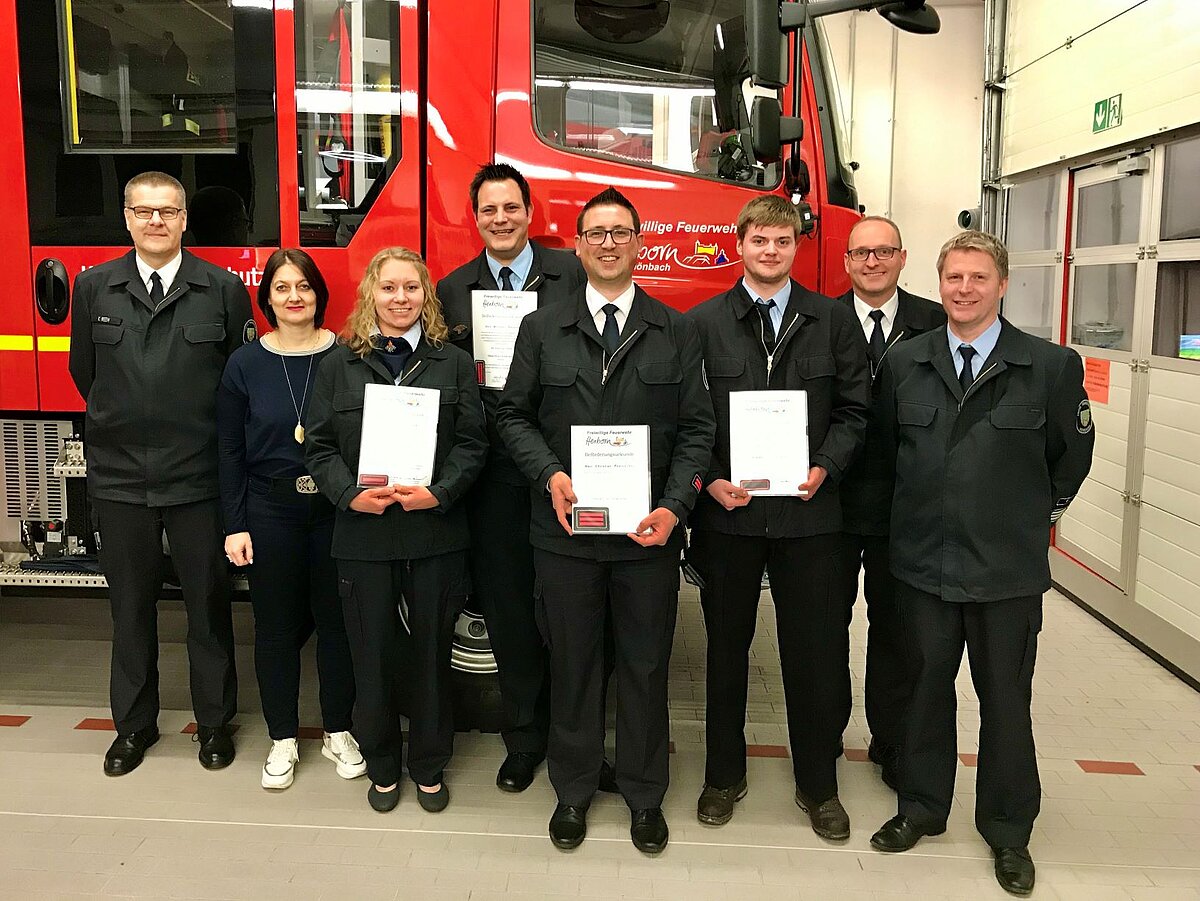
[520, 267]
[983, 345]
[781, 301]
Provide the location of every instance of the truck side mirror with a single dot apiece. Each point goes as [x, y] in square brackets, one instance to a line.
[770, 130]
[766, 44]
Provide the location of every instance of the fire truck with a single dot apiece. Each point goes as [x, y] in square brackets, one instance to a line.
[342, 126]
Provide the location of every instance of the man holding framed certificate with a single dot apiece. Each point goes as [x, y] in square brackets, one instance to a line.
[605, 412]
[787, 370]
[484, 302]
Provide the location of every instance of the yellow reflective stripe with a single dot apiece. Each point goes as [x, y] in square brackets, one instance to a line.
[17, 342]
[54, 342]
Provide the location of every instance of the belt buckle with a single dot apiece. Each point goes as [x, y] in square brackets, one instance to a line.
[306, 485]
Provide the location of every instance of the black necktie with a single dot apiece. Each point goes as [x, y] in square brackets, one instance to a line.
[156, 289]
[612, 334]
[966, 376]
[878, 343]
[768, 330]
[396, 353]
[506, 275]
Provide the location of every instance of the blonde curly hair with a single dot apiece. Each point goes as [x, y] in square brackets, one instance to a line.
[363, 321]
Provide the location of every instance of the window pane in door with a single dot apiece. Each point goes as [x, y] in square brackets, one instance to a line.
[1181, 191]
[1033, 215]
[1029, 303]
[348, 106]
[1177, 311]
[1109, 212]
[1102, 311]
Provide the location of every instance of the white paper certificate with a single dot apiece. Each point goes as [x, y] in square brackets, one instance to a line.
[495, 317]
[610, 473]
[399, 436]
[768, 441]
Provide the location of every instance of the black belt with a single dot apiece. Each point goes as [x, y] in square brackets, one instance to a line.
[296, 485]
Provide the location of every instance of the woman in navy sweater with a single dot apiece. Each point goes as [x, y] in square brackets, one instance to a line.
[276, 522]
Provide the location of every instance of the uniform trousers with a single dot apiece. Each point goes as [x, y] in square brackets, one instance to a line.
[888, 684]
[1001, 642]
[575, 594]
[813, 644]
[294, 591]
[131, 556]
[434, 590]
[502, 581]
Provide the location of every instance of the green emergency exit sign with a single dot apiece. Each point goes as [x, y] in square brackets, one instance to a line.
[1107, 114]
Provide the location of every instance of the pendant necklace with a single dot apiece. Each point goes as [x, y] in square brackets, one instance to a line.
[298, 432]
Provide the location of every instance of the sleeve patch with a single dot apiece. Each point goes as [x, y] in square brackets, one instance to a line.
[249, 332]
[697, 482]
[1083, 418]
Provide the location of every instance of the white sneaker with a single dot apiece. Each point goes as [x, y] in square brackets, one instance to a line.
[342, 749]
[280, 768]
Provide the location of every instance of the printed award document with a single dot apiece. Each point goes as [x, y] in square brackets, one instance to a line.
[768, 442]
[610, 472]
[496, 316]
[399, 436]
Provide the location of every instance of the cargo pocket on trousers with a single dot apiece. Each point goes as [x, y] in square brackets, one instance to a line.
[539, 611]
[350, 612]
[1031, 641]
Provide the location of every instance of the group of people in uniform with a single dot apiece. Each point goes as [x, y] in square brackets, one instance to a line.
[944, 443]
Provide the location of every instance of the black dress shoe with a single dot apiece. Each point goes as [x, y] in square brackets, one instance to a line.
[900, 833]
[127, 751]
[829, 818]
[382, 801]
[516, 773]
[887, 757]
[216, 746]
[1014, 870]
[608, 779]
[568, 826]
[715, 806]
[648, 829]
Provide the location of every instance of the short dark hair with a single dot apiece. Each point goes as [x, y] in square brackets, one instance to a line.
[498, 172]
[292, 256]
[609, 197]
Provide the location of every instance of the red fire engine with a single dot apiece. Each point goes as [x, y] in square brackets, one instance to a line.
[342, 126]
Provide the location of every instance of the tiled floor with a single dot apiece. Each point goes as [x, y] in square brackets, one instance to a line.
[1118, 738]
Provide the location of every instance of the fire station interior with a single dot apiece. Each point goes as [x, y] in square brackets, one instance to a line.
[1069, 128]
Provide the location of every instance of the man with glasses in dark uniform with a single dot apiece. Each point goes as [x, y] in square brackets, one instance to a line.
[611, 356]
[888, 314]
[150, 333]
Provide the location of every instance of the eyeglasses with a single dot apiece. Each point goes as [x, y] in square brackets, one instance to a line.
[860, 254]
[166, 213]
[619, 235]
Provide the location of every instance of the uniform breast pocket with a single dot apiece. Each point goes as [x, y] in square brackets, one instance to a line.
[107, 333]
[204, 332]
[347, 420]
[724, 371]
[660, 384]
[1018, 416]
[915, 415]
[812, 368]
[557, 375]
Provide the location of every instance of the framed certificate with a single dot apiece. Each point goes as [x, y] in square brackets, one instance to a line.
[495, 317]
[768, 441]
[610, 472]
[399, 436]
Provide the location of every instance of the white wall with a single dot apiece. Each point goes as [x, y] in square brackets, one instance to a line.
[1150, 55]
[915, 105]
